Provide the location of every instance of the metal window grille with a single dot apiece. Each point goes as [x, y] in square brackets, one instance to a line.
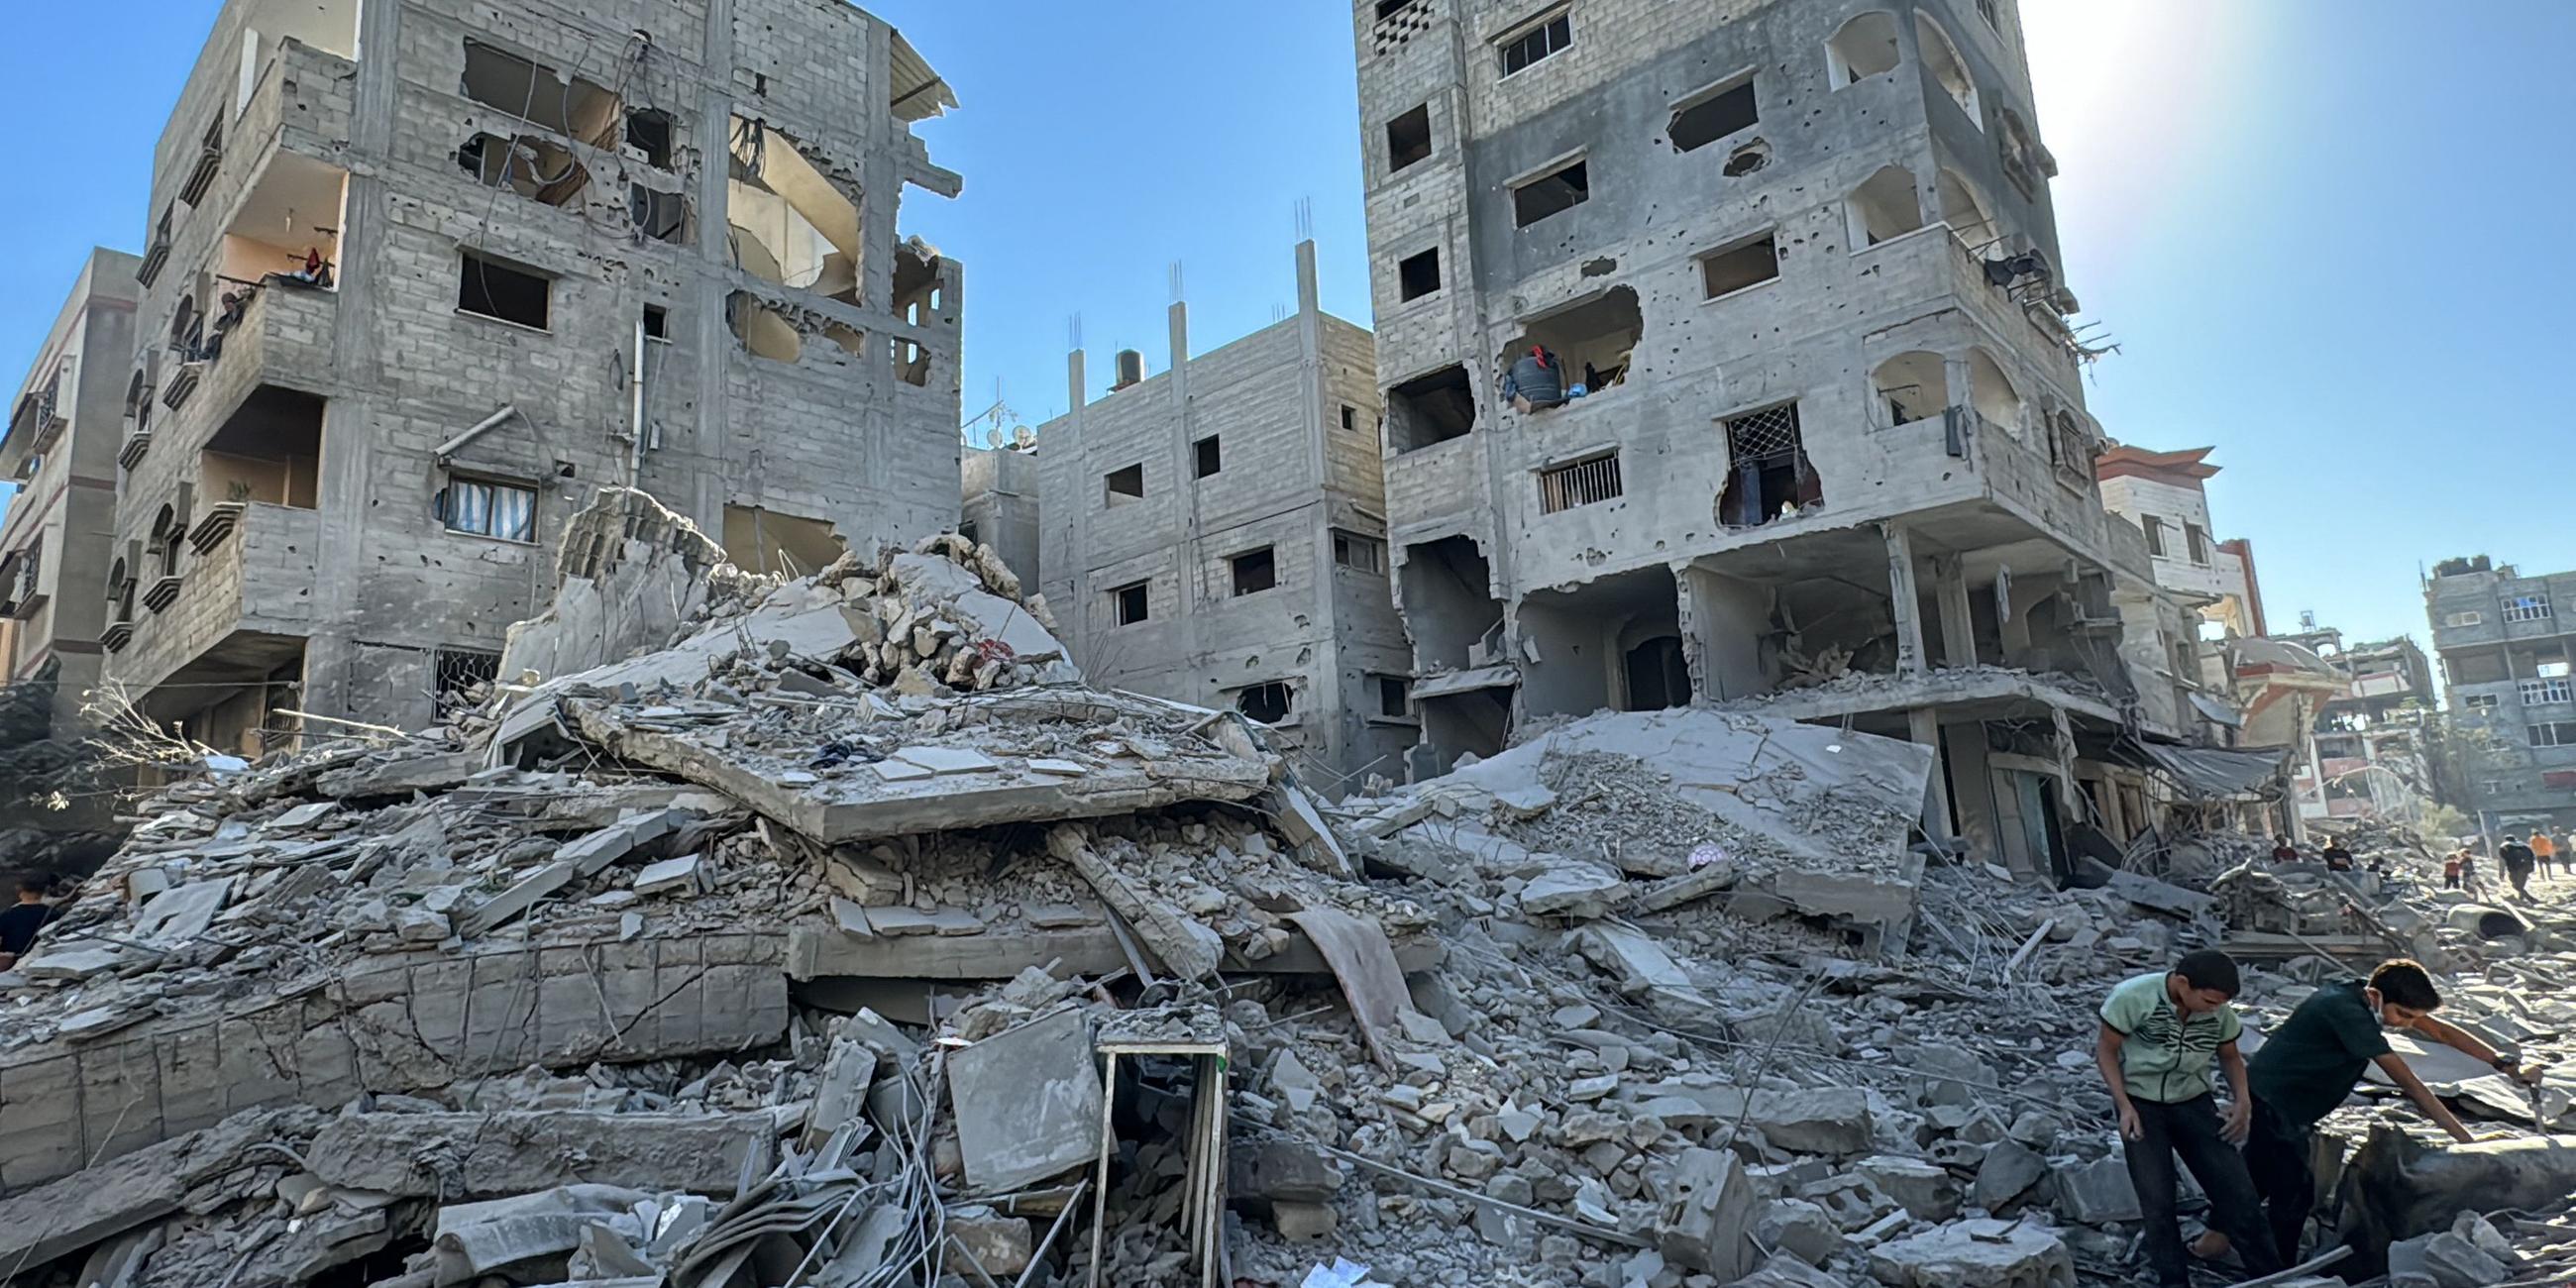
[1578, 483]
[2549, 690]
[2526, 608]
[1763, 437]
[457, 670]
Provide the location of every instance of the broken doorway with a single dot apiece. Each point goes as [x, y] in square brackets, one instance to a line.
[1768, 475]
[1449, 606]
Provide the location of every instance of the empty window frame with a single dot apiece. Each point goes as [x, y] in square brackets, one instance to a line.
[1268, 703]
[911, 361]
[484, 508]
[2471, 618]
[1429, 409]
[1255, 570]
[1865, 46]
[1544, 38]
[1418, 275]
[657, 322]
[1125, 485]
[2554, 689]
[487, 287]
[525, 164]
[539, 95]
[1358, 551]
[1768, 475]
[648, 137]
[2526, 608]
[662, 216]
[2479, 702]
[1554, 192]
[2196, 544]
[1130, 604]
[1350, 417]
[1211, 455]
[1725, 271]
[1408, 139]
[2155, 529]
[1714, 114]
[454, 671]
[1394, 697]
[1884, 207]
[2556, 733]
[1583, 482]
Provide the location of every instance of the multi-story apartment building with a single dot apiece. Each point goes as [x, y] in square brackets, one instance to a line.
[2507, 644]
[2164, 493]
[2369, 759]
[1800, 256]
[421, 274]
[1215, 534]
[60, 450]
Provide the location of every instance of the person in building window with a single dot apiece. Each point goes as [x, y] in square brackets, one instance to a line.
[1536, 380]
[2338, 859]
[20, 924]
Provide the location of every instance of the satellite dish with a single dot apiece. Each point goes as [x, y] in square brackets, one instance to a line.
[1023, 437]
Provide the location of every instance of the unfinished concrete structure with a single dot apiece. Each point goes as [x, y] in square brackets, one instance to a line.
[2164, 493]
[1215, 534]
[1799, 255]
[2368, 760]
[421, 274]
[2506, 656]
[998, 505]
[60, 449]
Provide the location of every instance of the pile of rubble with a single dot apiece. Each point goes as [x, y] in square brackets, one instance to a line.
[832, 932]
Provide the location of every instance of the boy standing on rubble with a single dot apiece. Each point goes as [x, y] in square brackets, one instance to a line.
[2158, 1035]
[2517, 861]
[2313, 1062]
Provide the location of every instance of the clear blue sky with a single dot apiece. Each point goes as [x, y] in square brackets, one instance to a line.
[2330, 235]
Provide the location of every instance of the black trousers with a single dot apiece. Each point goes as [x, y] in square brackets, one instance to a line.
[2189, 1129]
[2281, 1156]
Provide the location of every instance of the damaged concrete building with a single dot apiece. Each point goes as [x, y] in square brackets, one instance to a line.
[2166, 495]
[1216, 534]
[421, 275]
[998, 504]
[1810, 425]
[60, 450]
[2506, 661]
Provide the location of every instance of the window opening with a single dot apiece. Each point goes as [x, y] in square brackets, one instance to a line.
[657, 322]
[540, 94]
[966, 528]
[1394, 697]
[1657, 676]
[1130, 604]
[1713, 116]
[1912, 386]
[2536, 692]
[1584, 482]
[2556, 733]
[2479, 702]
[489, 288]
[1408, 139]
[911, 362]
[1555, 192]
[1211, 457]
[1418, 275]
[1588, 346]
[648, 137]
[454, 672]
[2526, 608]
[2197, 543]
[662, 216]
[1864, 47]
[1122, 486]
[527, 165]
[1354, 550]
[764, 331]
[1884, 207]
[1949, 71]
[1350, 417]
[1993, 20]
[481, 508]
[1255, 571]
[1267, 703]
[2465, 619]
[1768, 474]
[849, 339]
[1546, 39]
[1724, 272]
[2155, 528]
[1430, 409]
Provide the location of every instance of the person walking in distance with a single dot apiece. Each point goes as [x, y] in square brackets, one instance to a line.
[2517, 859]
[2158, 1034]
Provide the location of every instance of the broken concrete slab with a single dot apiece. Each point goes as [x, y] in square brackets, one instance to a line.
[1370, 976]
[183, 912]
[1975, 1254]
[1027, 1103]
[478, 1155]
[1926, 1191]
[2096, 1193]
[685, 873]
[516, 900]
[2160, 896]
[1575, 888]
[1187, 948]
[400, 775]
[1708, 1213]
[61, 1217]
[2008, 1172]
[948, 760]
[1639, 963]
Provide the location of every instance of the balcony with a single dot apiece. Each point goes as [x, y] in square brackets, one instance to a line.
[253, 580]
[281, 338]
[302, 103]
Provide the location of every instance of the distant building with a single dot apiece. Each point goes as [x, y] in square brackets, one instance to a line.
[58, 536]
[2507, 643]
[2162, 493]
[999, 507]
[2369, 757]
[1216, 534]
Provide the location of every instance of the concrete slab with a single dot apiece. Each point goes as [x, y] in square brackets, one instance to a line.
[948, 760]
[1028, 1103]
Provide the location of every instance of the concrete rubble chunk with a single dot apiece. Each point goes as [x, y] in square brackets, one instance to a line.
[2007, 1173]
[1574, 889]
[1027, 1103]
[997, 1244]
[2096, 1193]
[516, 900]
[1801, 1228]
[1975, 1254]
[1708, 1210]
[486, 1154]
[1925, 1190]
[683, 874]
[1277, 1168]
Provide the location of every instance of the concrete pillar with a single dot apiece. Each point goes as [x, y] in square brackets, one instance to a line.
[1923, 725]
[1958, 623]
[1957, 372]
[1904, 599]
[2012, 617]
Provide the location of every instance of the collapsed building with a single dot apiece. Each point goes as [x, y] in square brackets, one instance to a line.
[832, 932]
[2370, 760]
[420, 276]
[1216, 533]
[1809, 427]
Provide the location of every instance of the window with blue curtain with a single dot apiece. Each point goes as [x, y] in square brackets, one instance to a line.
[486, 509]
